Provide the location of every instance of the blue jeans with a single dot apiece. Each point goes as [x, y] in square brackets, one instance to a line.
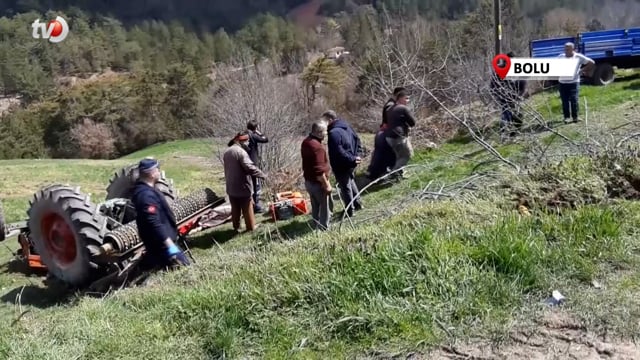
[348, 190]
[569, 97]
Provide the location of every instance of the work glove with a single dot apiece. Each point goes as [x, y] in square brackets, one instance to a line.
[174, 250]
[177, 258]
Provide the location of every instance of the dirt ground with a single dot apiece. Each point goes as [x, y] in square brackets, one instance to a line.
[556, 336]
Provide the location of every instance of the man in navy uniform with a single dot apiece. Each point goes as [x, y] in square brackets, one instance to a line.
[155, 219]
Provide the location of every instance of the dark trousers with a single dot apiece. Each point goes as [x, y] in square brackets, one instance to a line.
[383, 157]
[509, 118]
[348, 190]
[569, 97]
[320, 203]
[257, 191]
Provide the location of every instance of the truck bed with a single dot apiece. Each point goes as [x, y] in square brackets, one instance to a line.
[619, 47]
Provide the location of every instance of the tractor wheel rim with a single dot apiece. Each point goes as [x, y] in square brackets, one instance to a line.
[59, 239]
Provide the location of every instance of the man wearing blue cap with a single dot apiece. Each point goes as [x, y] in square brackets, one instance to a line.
[155, 219]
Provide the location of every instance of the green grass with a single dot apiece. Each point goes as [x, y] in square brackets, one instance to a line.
[431, 273]
[599, 99]
[191, 164]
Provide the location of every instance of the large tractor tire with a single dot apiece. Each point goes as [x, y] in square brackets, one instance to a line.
[66, 230]
[3, 228]
[603, 74]
[122, 183]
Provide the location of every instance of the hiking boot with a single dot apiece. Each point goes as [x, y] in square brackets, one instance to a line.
[567, 120]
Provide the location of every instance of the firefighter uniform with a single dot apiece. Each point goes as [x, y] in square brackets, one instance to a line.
[156, 223]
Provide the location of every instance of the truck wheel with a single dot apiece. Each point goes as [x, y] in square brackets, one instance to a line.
[122, 182]
[3, 229]
[603, 74]
[66, 229]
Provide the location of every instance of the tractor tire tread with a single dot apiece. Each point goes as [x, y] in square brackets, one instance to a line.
[84, 218]
[122, 182]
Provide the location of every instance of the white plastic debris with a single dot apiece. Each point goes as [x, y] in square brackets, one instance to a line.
[556, 298]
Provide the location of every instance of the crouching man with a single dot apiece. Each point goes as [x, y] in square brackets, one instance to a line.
[156, 222]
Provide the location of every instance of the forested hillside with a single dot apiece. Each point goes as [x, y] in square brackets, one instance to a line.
[232, 15]
[143, 72]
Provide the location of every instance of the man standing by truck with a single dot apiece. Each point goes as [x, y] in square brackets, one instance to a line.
[570, 88]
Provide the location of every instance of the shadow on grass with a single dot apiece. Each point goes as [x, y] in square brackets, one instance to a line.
[37, 296]
[19, 266]
[628, 78]
[362, 181]
[295, 228]
[208, 239]
[537, 128]
[634, 86]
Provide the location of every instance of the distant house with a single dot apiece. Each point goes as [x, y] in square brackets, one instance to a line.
[335, 53]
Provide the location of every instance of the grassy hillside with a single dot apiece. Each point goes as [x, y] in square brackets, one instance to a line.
[428, 262]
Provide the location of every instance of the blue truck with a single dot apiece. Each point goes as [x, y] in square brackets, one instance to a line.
[619, 48]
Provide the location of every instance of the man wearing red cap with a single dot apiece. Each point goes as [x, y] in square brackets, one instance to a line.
[238, 173]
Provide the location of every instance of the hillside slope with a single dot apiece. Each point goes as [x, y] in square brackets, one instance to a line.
[441, 258]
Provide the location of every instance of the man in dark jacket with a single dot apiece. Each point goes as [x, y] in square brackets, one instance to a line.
[388, 105]
[383, 157]
[344, 155]
[397, 134]
[507, 94]
[155, 220]
[255, 139]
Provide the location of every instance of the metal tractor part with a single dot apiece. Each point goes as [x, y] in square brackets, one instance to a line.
[66, 230]
[79, 242]
[122, 182]
[126, 237]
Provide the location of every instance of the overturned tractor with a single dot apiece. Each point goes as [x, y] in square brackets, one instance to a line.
[87, 244]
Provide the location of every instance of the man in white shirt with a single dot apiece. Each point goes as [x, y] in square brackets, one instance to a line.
[569, 88]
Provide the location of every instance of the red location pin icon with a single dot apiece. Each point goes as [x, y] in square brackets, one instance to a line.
[501, 65]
